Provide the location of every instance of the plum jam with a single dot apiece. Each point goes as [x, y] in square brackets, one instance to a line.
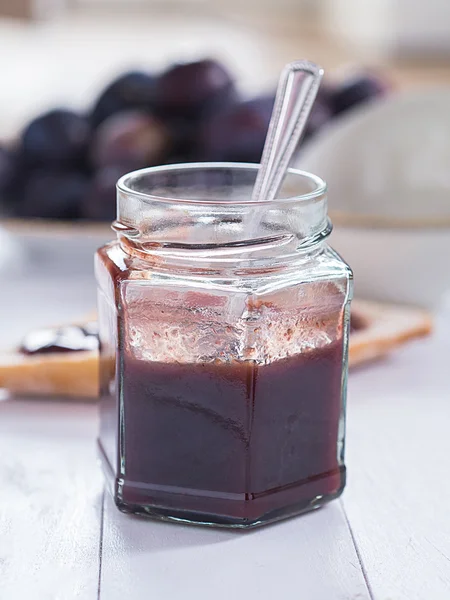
[245, 440]
[223, 352]
[71, 338]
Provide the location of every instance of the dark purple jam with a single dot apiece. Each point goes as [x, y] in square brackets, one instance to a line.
[72, 338]
[235, 439]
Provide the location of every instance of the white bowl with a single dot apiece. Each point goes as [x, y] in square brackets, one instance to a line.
[387, 166]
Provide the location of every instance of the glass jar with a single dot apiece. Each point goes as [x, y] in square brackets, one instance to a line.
[223, 332]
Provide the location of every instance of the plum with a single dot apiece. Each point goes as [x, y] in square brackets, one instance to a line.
[182, 134]
[6, 167]
[9, 172]
[194, 89]
[134, 139]
[57, 138]
[132, 90]
[52, 194]
[99, 204]
[356, 90]
[237, 133]
[321, 112]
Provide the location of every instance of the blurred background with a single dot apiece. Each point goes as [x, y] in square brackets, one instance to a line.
[64, 54]
[64, 51]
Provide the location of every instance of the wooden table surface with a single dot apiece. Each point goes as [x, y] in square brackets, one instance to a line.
[61, 537]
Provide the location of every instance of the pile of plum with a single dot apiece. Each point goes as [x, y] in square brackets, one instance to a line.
[65, 165]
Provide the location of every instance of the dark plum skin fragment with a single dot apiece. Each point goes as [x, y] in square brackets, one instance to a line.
[70, 338]
[132, 90]
[58, 138]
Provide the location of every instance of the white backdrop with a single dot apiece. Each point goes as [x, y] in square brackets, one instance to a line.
[399, 26]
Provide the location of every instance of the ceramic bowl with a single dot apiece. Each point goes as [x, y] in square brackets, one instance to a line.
[387, 166]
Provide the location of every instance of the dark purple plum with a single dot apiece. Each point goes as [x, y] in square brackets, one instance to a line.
[58, 138]
[183, 134]
[133, 90]
[6, 167]
[321, 112]
[132, 138]
[99, 203]
[9, 172]
[194, 89]
[357, 90]
[237, 133]
[52, 195]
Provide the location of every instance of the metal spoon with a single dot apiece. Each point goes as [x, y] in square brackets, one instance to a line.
[296, 92]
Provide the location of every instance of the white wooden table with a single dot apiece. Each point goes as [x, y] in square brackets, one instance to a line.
[388, 538]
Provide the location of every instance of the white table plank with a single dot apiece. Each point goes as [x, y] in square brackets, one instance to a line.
[50, 501]
[396, 502]
[398, 495]
[311, 557]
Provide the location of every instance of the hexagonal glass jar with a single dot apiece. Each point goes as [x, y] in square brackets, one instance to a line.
[223, 331]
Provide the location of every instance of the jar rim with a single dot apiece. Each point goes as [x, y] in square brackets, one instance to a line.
[123, 186]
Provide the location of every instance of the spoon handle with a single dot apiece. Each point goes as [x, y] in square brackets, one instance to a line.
[296, 92]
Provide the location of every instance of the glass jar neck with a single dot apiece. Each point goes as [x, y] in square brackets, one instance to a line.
[262, 256]
[199, 217]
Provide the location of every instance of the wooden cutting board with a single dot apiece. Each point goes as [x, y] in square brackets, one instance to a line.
[380, 330]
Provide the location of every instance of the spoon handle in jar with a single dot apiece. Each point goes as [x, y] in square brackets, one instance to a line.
[296, 92]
